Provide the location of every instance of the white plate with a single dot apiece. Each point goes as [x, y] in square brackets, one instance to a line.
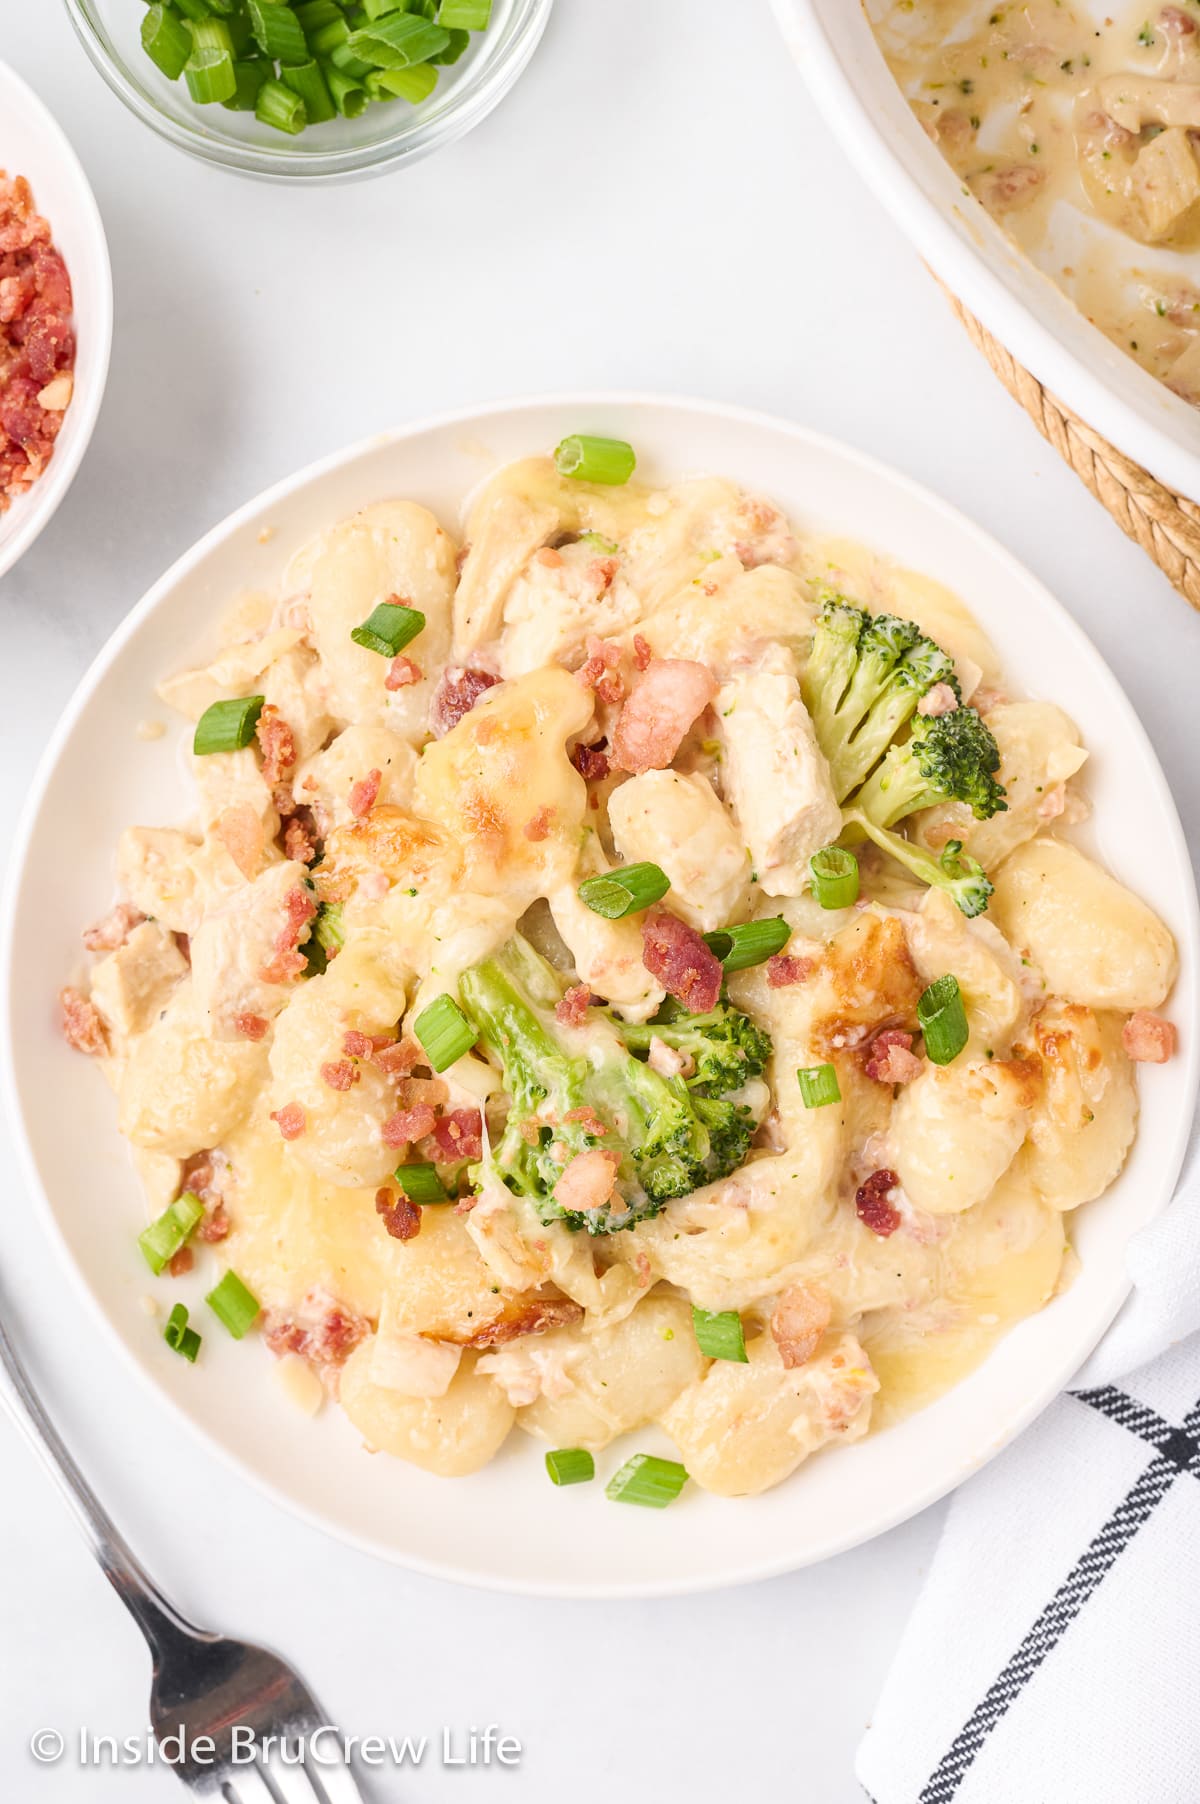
[844, 68]
[33, 145]
[508, 1526]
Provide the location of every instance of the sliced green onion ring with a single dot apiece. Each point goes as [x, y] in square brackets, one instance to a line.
[943, 1020]
[748, 943]
[720, 1335]
[388, 628]
[444, 1032]
[227, 726]
[834, 873]
[179, 1337]
[589, 459]
[570, 1466]
[307, 80]
[166, 41]
[278, 107]
[234, 1305]
[818, 1086]
[398, 40]
[465, 15]
[421, 1184]
[209, 76]
[647, 1480]
[163, 1238]
[624, 891]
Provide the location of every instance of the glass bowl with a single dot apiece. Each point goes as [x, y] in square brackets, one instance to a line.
[385, 135]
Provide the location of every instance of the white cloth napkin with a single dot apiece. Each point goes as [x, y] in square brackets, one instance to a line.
[1053, 1656]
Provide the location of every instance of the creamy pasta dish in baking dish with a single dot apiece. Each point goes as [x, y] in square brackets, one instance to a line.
[632, 966]
[1078, 128]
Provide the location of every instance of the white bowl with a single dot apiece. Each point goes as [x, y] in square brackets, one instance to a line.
[32, 144]
[507, 1526]
[852, 85]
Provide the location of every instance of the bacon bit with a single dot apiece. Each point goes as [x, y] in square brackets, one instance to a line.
[891, 1059]
[459, 1135]
[872, 1206]
[359, 1046]
[600, 669]
[340, 1075]
[941, 699]
[675, 954]
[327, 1339]
[203, 1175]
[572, 1010]
[668, 1061]
[299, 909]
[276, 742]
[547, 556]
[243, 836]
[642, 653]
[397, 1057]
[401, 1216]
[181, 1262]
[538, 828]
[588, 1120]
[1053, 803]
[364, 794]
[408, 1125]
[455, 696]
[668, 697]
[37, 345]
[587, 1180]
[298, 841]
[532, 1317]
[215, 1226]
[402, 672]
[591, 761]
[783, 969]
[251, 1027]
[1003, 190]
[290, 1120]
[1175, 22]
[82, 1026]
[112, 931]
[798, 1322]
[1149, 1039]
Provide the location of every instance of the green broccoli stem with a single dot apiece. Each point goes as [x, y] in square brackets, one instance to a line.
[954, 871]
[895, 788]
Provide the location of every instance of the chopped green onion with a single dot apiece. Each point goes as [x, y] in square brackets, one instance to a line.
[249, 76]
[277, 106]
[388, 628]
[227, 726]
[943, 1020]
[277, 31]
[719, 1335]
[211, 34]
[179, 1336]
[444, 1032]
[459, 40]
[313, 14]
[624, 891]
[466, 15]
[240, 35]
[194, 9]
[415, 84]
[570, 1466]
[598, 542]
[306, 80]
[749, 943]
[166, 41]
[398, 40]
[647, 1480]
[607, 460]
[344, 59]
[163, 1238]
[421, 1184]
[234, 1305]
[834, 873]
[375, 9]
[209, 76]
[818, 1086]
[350, 97]
[326, 39]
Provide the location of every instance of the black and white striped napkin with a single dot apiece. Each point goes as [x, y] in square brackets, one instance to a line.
[1053, 1656]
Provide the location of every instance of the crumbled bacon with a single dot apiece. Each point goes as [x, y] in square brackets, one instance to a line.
[587, 1180]
[277, 744]
[298, 840]
[37, 345]
[572, 1010]
[290, 1120]
[1009, 187]
[1148, 1039]
[591, 761]
[408, 1125]
[398, 1057]
[891, 1059]
[675, 954]
[204, 1175]
[600, 670]
[215, 1226]
[798, 1322]
[941, 699]
[549, 557]
[338, 1074]
[1175, 23]
[872, 1206]
[459, 1135]
[667, 698]
[668, 1061]
[588, 1120]
[326, 1333]
[784, 969]
[251, 1027]
[364, 794]
[455, 696]
[81, 1025]
[601, 572]
[532, 1316]
[402, 672]
[642, 653]
[358, 1046]
[181, 1262]
[112, 931]
[539, 824]
[299, 908]
[400, 1215]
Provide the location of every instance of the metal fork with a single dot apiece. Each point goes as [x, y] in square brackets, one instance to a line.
[204, 1685]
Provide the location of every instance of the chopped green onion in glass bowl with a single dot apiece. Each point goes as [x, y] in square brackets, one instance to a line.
[310, 90]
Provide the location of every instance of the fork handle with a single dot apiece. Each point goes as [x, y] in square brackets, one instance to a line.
[158, 1619]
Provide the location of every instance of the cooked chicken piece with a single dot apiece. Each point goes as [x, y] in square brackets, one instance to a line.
[559, 599]
[505, 531]
[1132, 101]
[1166, 181]
[154, 869]
[241, 966]
[135, 982]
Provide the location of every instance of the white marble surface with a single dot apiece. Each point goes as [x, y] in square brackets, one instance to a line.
[654, 206]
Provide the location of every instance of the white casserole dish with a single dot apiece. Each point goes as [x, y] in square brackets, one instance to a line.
[507, 1526]
[852, 85]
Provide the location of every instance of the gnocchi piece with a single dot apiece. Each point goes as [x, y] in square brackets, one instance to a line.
[234, 672]
[607, 954]
[236, 969]
[1094, 941]
[941, 939]
[181, 1091]
[730, 615]
[450, 1435]
[557, 601]
[957, 1128]
[155, 871]
[678, 823]
[1085, 1116]
[133, 984]
[338, 781]
[1040, 751]
[743, 1428]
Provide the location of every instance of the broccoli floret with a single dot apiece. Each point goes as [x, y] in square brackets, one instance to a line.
[725, 1047]
[949, 758]
[961, 876]
[864, 677]
[578, 1089]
